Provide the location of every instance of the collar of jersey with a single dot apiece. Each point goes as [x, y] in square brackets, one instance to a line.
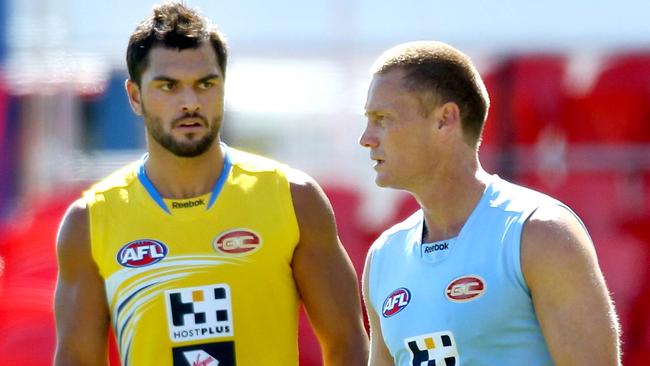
[144, 179]
[418, 243]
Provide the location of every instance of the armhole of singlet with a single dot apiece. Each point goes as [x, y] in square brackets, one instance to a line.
[515, 247]
[90, 198]
[372, 274]
[286, 201]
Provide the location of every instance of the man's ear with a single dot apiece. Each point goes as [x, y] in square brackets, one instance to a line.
[448, 115]
[135, 97]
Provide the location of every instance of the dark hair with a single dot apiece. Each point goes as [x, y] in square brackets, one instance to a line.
[442, 74]
[172, 25]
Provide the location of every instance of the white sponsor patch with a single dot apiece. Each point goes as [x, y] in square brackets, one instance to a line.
[203, 312]
[439, 347]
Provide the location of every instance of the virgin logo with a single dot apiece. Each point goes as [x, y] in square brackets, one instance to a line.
[465, 288]
[205, 362]
[237, 241]
[200, 358]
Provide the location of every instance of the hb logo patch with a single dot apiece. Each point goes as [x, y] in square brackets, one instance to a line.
[433, 349]
[199, 312]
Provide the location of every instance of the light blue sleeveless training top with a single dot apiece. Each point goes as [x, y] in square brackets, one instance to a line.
[462, 301]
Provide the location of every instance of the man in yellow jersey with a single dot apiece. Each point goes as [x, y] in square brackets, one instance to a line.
[199, 254]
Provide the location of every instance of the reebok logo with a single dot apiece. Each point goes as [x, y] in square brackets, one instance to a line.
[188, 204]
[430, 248]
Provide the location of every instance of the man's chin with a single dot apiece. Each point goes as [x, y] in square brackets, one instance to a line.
[381, 182]
[187, 154]
[384, 182]
[191, 149]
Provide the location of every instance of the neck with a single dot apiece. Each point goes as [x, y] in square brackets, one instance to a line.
[450, 197]
[178, 178]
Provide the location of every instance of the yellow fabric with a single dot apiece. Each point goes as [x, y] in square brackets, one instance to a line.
[203, 255]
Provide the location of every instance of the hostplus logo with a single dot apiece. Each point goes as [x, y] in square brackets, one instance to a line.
[437, 349]
[199, 312]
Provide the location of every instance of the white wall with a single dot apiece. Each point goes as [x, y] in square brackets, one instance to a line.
[104, 26]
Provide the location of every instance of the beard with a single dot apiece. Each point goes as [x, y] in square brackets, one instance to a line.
[184, 149]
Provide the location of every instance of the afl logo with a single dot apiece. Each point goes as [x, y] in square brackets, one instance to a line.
[465, 288]
[396, 302]
[237, 241]
[140, 253]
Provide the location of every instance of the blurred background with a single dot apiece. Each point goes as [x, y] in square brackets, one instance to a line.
[570, 116]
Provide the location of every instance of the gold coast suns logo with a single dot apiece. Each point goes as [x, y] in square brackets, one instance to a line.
[465, 288]
[237, 242]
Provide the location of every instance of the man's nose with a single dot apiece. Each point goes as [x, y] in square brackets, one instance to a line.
[368, 139]
[190, 102]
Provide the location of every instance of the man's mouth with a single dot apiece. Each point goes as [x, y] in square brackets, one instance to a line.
[194, 124]
[187, 123]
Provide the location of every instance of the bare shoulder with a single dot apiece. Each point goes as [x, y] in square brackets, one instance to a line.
[80, 306]
[309, 199]
[555, 241]
[303, 186]
[73, 236]
[555, 230]
[325, 277]
[568, 289]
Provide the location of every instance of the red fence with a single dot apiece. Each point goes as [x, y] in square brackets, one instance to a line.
[589, 149]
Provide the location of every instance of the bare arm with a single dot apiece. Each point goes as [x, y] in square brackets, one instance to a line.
[326, 279]
[379, 354]
[568, 290]
[81, 312]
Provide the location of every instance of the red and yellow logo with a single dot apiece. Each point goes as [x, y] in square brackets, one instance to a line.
[465, 288]
[237, 242]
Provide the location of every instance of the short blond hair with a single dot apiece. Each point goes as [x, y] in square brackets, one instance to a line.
[439, 70]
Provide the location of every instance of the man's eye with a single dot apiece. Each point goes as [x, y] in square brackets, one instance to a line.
[206, 85]
[167, 86]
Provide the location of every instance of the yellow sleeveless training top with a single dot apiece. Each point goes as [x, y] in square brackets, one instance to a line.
[205, 281]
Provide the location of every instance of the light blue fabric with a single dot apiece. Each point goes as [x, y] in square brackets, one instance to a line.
[151, 189]
[487, 317]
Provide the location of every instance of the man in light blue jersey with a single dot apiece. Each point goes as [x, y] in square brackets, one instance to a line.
[487, 272]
